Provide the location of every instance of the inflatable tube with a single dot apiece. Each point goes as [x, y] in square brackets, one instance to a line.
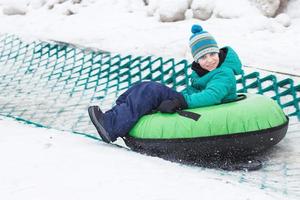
[234, 129]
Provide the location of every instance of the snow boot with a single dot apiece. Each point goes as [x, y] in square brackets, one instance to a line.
[96, 116]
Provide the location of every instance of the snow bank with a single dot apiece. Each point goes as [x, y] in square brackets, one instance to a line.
[167, 10]
[203, 9]
[293, 9]
[130, 27]
[104, 25]
[14, 7]
[283, 19]
[268, 7]
[225, 10]
[172, 11]
[14, 10]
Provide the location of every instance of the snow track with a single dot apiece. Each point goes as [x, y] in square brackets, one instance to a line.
[52, 85]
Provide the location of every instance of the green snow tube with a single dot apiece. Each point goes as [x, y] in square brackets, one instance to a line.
[235, 129]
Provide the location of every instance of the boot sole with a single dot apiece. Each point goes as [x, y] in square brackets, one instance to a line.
[101, 131]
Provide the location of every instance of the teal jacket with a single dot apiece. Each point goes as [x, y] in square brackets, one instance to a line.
[215, 87]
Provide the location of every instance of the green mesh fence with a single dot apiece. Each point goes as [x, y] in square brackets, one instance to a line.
[52, 84]
[285, 92]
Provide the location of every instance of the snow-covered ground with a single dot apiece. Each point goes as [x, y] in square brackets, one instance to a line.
[130, 27]
[40, 163]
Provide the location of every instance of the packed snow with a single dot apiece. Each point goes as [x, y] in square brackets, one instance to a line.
[39, 163]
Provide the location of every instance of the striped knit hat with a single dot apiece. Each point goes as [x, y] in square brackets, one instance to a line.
[201, 43]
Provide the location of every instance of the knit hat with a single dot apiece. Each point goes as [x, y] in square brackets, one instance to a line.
[201, 43]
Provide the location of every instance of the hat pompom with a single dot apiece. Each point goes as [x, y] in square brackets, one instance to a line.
[196, 29]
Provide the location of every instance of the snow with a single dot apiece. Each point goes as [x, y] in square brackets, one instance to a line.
[170, 11]
[202, 9]
[293, 9]
[268, 7]
[283, 19]
[40, 163]
[129, 27]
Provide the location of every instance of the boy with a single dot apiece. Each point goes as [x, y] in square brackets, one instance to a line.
[212, 82]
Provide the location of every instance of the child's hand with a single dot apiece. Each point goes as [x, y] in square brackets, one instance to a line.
[169, 106]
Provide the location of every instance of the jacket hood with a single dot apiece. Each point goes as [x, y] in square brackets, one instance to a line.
[232, 61]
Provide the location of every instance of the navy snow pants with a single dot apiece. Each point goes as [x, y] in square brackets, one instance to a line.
[140, 99]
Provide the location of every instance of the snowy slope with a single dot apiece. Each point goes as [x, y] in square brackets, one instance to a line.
[125, 27]
[38, 163]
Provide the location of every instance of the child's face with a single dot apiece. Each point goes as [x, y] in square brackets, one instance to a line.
[209, 61]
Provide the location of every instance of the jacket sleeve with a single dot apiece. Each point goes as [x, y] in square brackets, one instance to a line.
[190, 88]
[216, 90]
